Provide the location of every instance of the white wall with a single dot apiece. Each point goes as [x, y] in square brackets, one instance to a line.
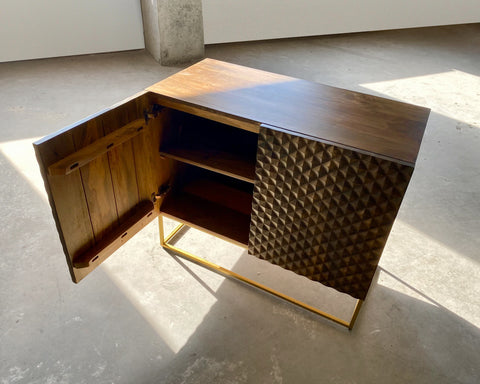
[47, 28]
[241, 20]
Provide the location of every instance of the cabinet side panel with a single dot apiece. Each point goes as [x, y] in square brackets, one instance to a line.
[323, 212]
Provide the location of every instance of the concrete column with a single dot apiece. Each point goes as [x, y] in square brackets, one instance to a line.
[173, 30]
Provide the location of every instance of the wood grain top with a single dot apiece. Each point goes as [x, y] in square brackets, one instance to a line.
[353, 120]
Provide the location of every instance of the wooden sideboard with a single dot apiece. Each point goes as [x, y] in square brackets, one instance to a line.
[307, 176]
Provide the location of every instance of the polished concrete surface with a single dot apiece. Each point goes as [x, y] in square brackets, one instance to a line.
[146, 316]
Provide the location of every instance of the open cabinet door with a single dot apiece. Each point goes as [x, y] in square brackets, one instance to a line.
[102, 175]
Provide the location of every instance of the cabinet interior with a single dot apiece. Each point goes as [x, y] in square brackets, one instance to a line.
[211, 145]
[212, 184]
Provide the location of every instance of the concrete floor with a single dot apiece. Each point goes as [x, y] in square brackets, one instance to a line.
[147, 317]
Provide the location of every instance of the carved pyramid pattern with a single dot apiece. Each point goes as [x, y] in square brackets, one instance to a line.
[323, 212]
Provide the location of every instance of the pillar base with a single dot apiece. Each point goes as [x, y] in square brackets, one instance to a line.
[173, 30]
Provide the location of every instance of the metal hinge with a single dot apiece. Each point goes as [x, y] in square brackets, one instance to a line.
[155, 109]
[162, 192]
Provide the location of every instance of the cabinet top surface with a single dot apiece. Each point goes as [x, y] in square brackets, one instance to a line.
[354, 120]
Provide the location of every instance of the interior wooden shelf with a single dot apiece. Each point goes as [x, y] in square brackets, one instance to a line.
[226, 163]
[211, 145]
[212, 207]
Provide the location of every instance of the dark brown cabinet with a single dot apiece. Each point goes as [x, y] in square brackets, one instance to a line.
[306, 176]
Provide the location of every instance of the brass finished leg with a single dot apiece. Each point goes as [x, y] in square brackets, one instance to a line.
[164, 242]
[358, 305]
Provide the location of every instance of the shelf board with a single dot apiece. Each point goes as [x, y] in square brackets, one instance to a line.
[229, 164]
[224, 195]
[209, 216]
[143, 214]
[85, 155]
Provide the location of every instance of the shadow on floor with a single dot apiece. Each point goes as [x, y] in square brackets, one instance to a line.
[248, 336]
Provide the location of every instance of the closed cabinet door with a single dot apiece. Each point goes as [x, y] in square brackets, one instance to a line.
[100, 175]
[322, 211]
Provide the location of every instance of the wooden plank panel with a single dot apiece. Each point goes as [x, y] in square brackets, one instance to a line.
[67, 200]
[121, 160]
[357, 121]
[97, 182]
[119, 134]
[152, 169]
[84, 204]
[199, 110]
[142, 216]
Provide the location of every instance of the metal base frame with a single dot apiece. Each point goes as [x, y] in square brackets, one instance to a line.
[165, 243]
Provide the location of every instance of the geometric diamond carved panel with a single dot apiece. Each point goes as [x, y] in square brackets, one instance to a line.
[322, 211]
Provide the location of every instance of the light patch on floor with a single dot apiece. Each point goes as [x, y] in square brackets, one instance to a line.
[455, 94]
[423, 281]
[21, 155]
[424, 263]
[155, 294]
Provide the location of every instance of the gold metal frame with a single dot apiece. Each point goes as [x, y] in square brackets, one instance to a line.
[164, 242]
